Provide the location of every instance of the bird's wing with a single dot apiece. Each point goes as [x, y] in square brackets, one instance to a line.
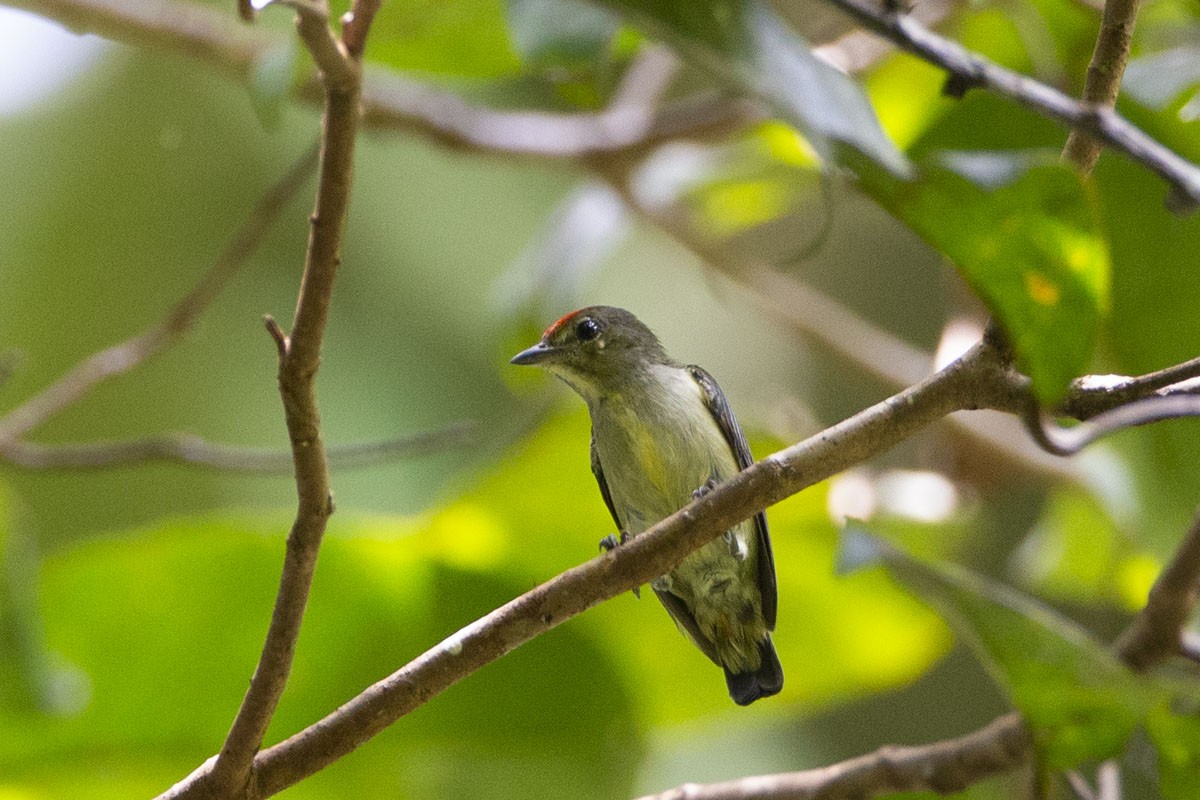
[718, 406]
[598, 471]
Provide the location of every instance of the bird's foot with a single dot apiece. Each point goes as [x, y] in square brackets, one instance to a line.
[708, 486]
[609, 543]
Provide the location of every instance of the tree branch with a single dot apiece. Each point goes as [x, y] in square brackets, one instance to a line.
[1104, 73]
[1155, 633]
[944, 767]
[970, 382]
[391, 102]
[1069, 441]
[969, 70]
[299, 359]
[1094, 394]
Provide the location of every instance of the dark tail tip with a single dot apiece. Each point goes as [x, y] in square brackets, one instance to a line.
[746, 687]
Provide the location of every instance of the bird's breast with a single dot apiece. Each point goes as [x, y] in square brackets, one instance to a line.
[657, 452]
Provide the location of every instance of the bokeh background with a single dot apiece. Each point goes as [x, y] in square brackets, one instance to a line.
[133, 599]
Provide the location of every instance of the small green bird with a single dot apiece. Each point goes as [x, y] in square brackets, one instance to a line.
[662, 434]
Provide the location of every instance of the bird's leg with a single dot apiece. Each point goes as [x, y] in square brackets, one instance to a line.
[736, 548]
[610, 542]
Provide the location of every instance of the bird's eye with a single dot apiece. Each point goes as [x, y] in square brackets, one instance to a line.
[587, 329]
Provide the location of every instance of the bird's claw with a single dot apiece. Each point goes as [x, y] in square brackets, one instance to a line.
[609, 543]
[708, 486]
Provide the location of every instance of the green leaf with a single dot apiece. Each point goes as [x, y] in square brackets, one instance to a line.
[167, 623]
[1024, 232]
[1080, 702]
[745, 43]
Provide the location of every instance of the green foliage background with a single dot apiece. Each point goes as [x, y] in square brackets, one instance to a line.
[134, 599]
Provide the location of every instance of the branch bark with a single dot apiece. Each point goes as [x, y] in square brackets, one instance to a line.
[968, 70]
[1104, 73]
[952, 765]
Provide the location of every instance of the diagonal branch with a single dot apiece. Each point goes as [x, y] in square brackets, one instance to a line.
[968, 70]
[299, 359]
[973, 381]
[1155, 633]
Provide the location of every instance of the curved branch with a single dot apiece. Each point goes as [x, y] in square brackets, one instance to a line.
[944, 767]
[1103, 76]
[395, 103]
[1068, 441]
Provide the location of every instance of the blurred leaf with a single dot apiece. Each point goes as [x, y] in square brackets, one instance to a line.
[167, 624]
[562, 33]
[1079, 700]
[1073, 551]
[24, 668]
[276, 73]
[1025, 234]
[1176, 738]
[744, 42]
[1156, 80]
[457, 38]
[837, 639]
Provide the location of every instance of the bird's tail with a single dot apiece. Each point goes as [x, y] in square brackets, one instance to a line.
[746, 687]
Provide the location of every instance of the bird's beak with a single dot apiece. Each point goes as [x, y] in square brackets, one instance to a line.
[534, 355]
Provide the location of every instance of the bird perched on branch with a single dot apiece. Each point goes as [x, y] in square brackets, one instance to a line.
[663, 434]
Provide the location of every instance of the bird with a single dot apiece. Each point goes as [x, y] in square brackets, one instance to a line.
[663, 434]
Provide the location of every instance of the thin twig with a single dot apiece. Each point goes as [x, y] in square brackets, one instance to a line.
[1104, 73]
[123, 357]
[1094, 394]
[447, 118]
[1154, 634]
[944, 767]
[299, 360]
[195, 451]
[969, 70]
